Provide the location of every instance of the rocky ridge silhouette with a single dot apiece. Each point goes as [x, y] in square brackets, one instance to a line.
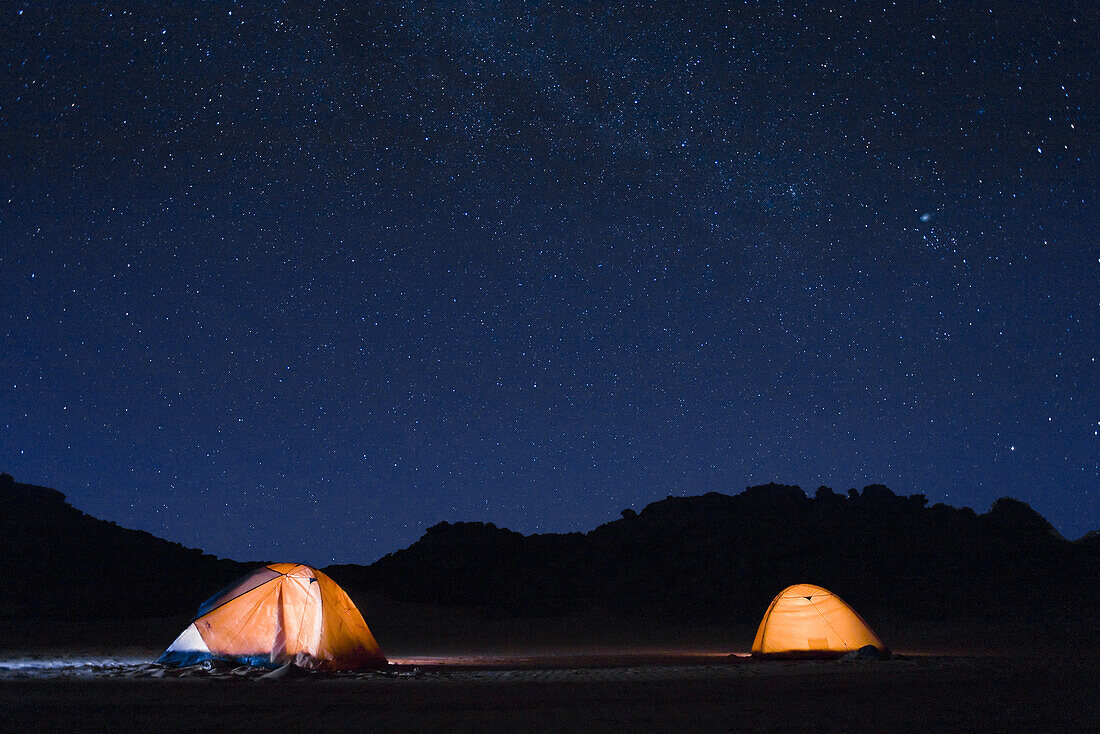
[68, 565]
[709, 558]
[717, 557]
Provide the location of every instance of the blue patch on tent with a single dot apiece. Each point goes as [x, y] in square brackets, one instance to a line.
[183, 658]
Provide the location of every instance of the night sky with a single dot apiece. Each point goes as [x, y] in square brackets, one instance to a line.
[297, 280]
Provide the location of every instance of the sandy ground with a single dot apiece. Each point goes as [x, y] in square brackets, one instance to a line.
[455, 673]
[643, 693]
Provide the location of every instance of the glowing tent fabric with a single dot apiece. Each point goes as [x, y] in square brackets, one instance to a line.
[281, 613]
[808, 621]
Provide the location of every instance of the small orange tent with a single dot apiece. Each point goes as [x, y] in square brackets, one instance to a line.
[808, 621]
[278, 614]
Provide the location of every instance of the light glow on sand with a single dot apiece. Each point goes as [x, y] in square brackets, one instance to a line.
[51, 663]
[32, 667]
[571, 659]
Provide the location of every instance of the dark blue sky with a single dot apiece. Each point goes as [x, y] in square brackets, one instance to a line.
[294, 281]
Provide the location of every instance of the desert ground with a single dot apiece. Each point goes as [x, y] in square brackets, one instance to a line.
[468, 672]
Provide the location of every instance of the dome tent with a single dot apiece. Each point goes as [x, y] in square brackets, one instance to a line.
[280, 613]
[807, 621]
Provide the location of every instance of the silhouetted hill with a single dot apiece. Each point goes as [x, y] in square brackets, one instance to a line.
[718, 557]
[63, 563]
[1090, 541]
[711, 558]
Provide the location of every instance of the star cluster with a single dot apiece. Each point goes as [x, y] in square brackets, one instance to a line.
[293, 281]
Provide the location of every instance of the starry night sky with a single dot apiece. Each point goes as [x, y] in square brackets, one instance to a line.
[296, 280]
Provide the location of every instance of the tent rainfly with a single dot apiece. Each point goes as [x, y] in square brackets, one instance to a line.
[280, 613]
[807, 621]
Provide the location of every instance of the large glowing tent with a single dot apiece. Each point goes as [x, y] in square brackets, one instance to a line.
[278, 614]
[808, 621]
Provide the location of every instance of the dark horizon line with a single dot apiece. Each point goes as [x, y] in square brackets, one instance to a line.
[7, 482]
